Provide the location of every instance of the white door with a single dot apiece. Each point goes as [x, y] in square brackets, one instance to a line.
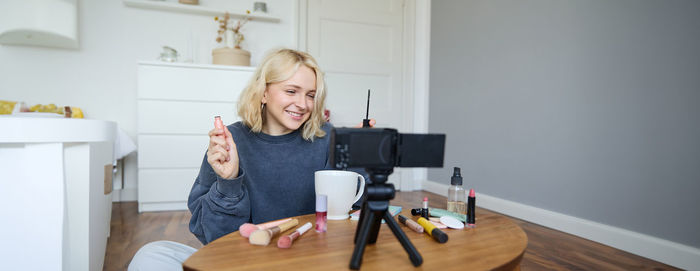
[360, 46]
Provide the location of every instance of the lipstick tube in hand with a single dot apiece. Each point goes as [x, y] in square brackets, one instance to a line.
[219, 124]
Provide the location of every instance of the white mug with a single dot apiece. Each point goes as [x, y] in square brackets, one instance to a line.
[339, 186]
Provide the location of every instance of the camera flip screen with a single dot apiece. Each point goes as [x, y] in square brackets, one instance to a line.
[385, 148]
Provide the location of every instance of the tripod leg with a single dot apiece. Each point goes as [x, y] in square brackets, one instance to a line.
[379, 209]
[363, 216]
[413, 254]
[362, 234]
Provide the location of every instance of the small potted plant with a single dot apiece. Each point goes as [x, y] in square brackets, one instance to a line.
[230, 38]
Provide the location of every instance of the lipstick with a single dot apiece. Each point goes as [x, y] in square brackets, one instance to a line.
[219, 124]
[410, 223]
[424, 211]
[471, 212]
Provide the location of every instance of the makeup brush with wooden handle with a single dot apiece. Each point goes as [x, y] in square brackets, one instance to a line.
[263, 237]
[247, 228]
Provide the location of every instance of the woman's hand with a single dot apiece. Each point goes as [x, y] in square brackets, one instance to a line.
[372, 122]
[222, 154]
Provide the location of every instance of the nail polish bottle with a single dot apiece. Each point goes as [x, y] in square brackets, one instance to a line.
[321, 212]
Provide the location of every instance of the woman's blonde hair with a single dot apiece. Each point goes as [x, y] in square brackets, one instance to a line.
[280, 65]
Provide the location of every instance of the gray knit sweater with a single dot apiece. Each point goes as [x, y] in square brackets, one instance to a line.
[275, 180]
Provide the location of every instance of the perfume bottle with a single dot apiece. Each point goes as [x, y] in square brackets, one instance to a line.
[456, 197]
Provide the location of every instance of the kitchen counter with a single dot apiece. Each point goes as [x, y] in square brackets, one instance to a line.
[55, 175]
[43, 129]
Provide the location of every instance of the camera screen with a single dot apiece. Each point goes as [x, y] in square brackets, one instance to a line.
[385, 148]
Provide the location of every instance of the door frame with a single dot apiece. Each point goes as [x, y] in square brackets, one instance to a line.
[415, 71]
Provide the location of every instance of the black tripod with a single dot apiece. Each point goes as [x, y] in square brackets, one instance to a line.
[374, 209]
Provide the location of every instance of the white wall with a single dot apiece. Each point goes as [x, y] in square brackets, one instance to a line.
[100, 77]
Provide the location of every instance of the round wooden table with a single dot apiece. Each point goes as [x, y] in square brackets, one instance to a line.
[496, 243]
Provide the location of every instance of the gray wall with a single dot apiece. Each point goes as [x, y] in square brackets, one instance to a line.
[586, 108]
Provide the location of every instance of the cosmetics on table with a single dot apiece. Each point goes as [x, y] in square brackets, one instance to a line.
[263, 237]
[455, 194]
[415, 211]
[287, 240]
[433, 231]
[451, 222]
[393, 210]
[437, 212]
[321, 212]
[436, 222]
[471, 209]
[247, 228]
[410, 223]
[442, 212]
[424, 211]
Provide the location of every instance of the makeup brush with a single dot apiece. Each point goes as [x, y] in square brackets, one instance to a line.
[286, 241]
[263, 237]
[247, 228]
[365, 122]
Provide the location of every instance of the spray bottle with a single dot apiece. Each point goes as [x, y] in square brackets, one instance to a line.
[456, 201]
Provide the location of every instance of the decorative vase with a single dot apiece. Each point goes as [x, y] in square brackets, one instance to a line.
[230, 56]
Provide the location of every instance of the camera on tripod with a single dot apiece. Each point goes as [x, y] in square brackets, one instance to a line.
[379, 151]
[385, 148]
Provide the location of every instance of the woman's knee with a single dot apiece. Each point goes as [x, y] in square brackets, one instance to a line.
[161, 255]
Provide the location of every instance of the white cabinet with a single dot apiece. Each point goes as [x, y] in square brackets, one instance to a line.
[50, 23]
[56, 214]
[176, 106]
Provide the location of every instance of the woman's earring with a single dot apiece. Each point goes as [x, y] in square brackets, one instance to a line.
[262, 107]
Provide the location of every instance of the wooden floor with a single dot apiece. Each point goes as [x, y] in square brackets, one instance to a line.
[547, 249]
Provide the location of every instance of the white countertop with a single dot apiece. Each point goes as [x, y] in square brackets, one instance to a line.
[43, 130]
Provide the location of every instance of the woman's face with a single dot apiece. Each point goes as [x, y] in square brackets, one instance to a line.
[288, 104]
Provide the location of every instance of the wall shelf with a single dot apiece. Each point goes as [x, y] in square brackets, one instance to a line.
[196, 9]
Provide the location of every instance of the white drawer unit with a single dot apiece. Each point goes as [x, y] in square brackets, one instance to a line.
[176, 106]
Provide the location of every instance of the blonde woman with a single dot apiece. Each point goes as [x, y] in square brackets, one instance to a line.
[261, 168]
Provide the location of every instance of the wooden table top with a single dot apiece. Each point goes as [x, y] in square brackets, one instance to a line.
[496, 243]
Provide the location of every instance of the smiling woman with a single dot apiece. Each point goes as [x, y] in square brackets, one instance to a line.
[261, 168]
[295, 73]
[289, 103]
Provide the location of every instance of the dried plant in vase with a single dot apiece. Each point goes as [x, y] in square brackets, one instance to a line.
[223, 22]
[231, 37]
